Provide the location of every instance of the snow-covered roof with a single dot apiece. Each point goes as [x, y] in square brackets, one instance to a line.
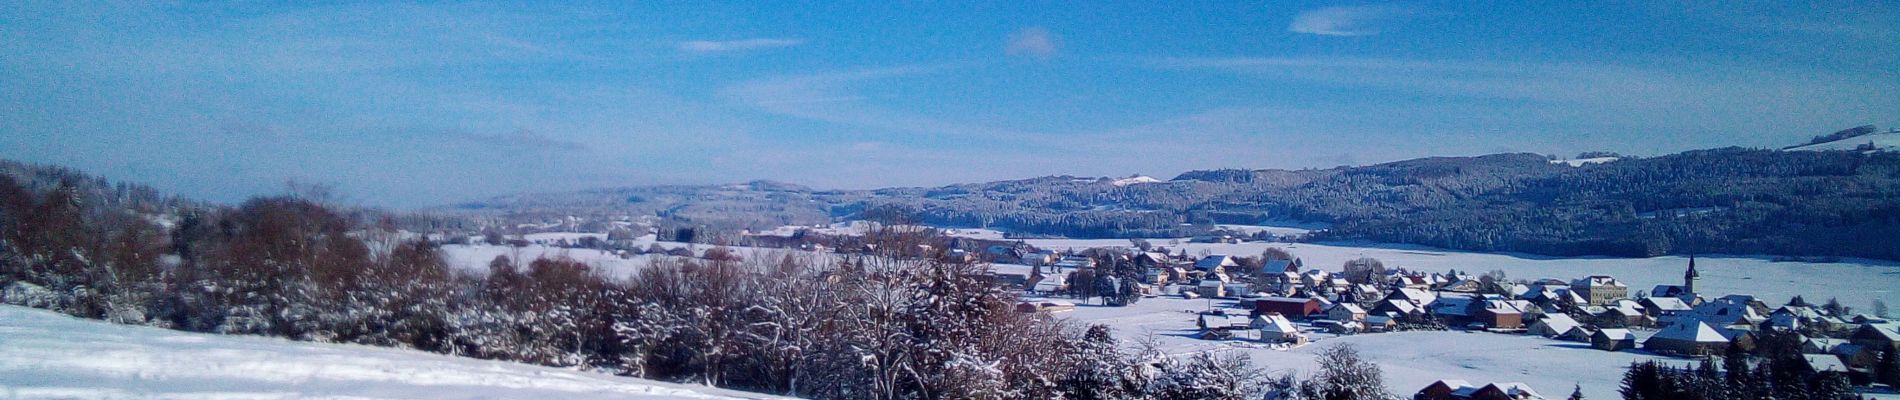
[1274, 323]
[1691, 331]
[1888, 330]
[1617, 334]
[1824, 362]
[1219, 260]
[1668, 303]
[1597, 281]
[1559, 323]
[1452, 305]
[1350, 307]
[1403, 306]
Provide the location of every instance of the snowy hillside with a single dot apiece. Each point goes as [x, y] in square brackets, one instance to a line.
[48, 355]
[1887, 141]
[1136, 180]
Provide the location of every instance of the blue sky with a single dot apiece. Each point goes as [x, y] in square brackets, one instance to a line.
[418, 104]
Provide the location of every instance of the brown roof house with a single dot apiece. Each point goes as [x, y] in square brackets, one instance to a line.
[1613, 339]
[1453, 389]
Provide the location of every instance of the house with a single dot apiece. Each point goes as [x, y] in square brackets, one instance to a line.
[1454, 308]
[1417, 297]
[1014, 281]
[1381, 323]
[1732, 311]
[1463, 286]
[1211, 288]
[1276, 328]
[1577, 334]
[1346, 312]
[1685, 291]
[1272, 267]
[1150, 259]
[1402, 308]
[1413, 282]
[1620, 313]
[1663, 308]
[1339, 327]
[1292, 307]
[1818, 363]
[1599, 290]
[1820, 345]
[1452, 389]
[1004, 254]
[1553, 325]
[1501, 314]
[1041, 258]
[1613, 339]
[1688, 338]
[1216, 264]
[1050, 283]
[1877, 335]
[1155, 276]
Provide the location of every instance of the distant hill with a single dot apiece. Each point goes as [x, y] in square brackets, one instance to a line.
[1732, 200]
[1864, 138]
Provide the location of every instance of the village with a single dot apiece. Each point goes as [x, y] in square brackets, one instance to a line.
[1275, 301]
[1284, 304]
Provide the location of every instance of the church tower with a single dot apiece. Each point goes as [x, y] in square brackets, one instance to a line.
[1689, 277]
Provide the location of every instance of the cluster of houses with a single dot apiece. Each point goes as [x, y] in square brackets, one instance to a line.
[1453, 389]
[1598, 310]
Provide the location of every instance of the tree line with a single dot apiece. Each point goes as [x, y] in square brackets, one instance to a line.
[860, 327]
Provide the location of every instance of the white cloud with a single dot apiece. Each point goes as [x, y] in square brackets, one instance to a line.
[840, 98]
[725, 46]
[1346, 21]
[1033, 42]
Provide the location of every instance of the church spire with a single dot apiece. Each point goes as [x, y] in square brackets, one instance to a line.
[1689, 277]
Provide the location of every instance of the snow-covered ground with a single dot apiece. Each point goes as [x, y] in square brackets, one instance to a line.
[1289, 229]
[1135, 180]
[1883, 141]
[474, 258]
[48, 355]
[1578, 162]
[1410, 360]
[1856, 282]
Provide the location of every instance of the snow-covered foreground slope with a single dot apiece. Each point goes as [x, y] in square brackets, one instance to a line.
[1410, 360]
[1856, 282]
[48, 355]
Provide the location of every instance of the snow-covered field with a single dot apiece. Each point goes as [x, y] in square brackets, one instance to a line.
[474, 258]
[48, 355]
[1884, 140]
[1578, 162]
[1856, 282]
[1410, 360]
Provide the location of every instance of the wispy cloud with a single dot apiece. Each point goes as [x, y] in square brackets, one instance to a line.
[1347, 21]
[830, 97]
[1033, 42]
[727, 46]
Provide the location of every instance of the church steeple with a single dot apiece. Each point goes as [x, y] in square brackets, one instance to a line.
[1689, 277]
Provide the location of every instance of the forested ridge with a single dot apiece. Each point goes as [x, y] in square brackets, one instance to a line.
[1729, 200]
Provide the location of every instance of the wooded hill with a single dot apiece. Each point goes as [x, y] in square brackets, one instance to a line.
[1730, 200]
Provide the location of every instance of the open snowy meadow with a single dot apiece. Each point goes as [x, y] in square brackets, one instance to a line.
[46, 355]
[1410, 360]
